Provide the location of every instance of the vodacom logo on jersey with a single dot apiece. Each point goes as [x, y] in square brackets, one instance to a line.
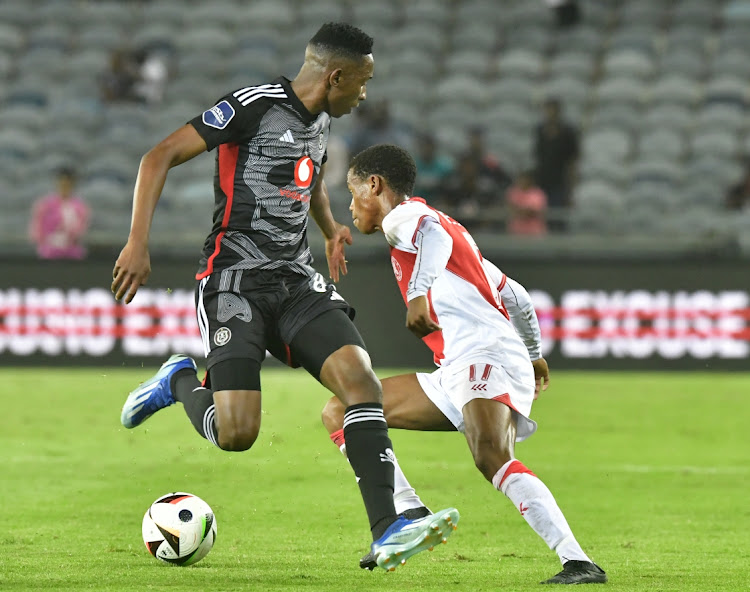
[303, 172]
[303, 175]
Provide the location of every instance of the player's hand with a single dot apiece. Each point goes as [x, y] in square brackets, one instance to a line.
[418, 319]
[131, 271]
[335, 246]
[541, 376]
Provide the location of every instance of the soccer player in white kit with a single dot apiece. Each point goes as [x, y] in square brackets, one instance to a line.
[483, 331]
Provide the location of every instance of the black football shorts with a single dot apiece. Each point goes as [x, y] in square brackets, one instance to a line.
[300, 320]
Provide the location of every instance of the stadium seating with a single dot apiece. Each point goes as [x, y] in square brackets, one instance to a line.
[658, 90]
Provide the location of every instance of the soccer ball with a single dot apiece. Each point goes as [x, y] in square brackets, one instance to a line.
[179, 528]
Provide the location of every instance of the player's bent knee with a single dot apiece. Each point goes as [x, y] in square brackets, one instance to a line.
[489, 455]
[333, 415]
[238, 438]
[348, 374]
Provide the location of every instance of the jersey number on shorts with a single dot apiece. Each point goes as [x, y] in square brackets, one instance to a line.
[319, 284]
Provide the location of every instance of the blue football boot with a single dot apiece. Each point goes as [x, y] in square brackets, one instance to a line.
[405, 538]
[155, 393]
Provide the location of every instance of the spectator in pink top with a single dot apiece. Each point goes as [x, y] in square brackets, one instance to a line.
[60, 220]
[527, 206]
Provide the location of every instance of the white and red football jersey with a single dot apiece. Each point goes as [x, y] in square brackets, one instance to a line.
[463, 298]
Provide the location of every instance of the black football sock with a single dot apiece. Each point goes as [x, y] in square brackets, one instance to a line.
[198, 402]
[371, 455]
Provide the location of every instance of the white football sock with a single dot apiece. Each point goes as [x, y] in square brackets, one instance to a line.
[537, 505]
[404, 496]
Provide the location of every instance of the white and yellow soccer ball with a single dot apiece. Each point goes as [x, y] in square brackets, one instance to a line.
[179, 528]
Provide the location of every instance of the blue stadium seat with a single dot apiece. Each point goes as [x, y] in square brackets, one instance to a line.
[685, 61]
[324, 11]
[54, 36]
[629, 63]
[277, 14]
[521, 62]
[669, 115]
[574, 64]
[624, 116]
[694, 12]
[475, 36]
[721, 143]
[675, 90]
[727, 89]
[662, 142]
[612, 143]
[461, 88]
[621, 90]
[473, 62]
[11, 37]
[427, 11]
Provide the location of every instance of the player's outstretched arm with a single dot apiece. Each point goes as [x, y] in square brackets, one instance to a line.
[133, 266]
[337, 235]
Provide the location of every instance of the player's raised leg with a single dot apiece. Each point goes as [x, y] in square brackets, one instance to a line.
[235, 406]
[405, 406]
[490, 428]
[346, 371]
[155, 393]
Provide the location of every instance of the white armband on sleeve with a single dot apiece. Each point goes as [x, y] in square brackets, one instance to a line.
[523, 316]
[434, 247]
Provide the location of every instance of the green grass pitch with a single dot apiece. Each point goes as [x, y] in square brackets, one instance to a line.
[651, 470]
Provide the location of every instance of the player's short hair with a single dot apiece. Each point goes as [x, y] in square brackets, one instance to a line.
[389, 161]
[342, 39]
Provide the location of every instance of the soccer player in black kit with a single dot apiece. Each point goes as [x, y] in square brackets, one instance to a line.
[256, 287]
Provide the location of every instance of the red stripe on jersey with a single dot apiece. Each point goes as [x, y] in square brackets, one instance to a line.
[472, 373]
[403, 267]
[465, 260]
[516, 467]
[502, 282]
[419, 225]
[486, 373]
[210, 262]
[227, 168]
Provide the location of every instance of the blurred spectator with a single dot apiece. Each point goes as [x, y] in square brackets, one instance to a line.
[153, 73]
[488, 163]
[556, 155]
[527, 206]
[470, 191]
[567, 12]
[373, 124]
[118, 83]
[738, 196]
[433, 169]
[60, 220]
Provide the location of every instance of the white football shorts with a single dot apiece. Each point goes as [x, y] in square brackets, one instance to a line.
[450, 388]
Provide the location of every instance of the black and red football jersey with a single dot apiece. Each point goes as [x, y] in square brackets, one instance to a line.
[270, 150]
